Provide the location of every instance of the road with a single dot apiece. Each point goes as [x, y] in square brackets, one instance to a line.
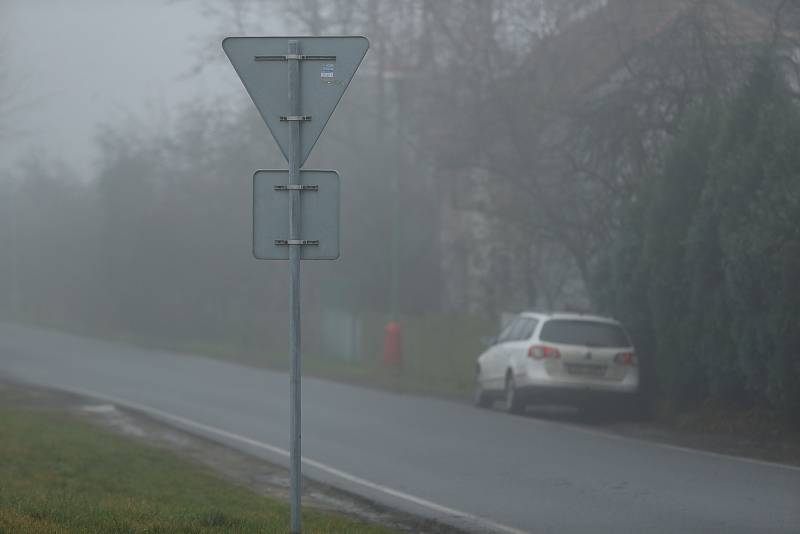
[480, 470]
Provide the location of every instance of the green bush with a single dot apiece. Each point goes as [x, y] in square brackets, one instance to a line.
[707, 270]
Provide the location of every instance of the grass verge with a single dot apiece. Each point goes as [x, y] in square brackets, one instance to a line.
[59, 473]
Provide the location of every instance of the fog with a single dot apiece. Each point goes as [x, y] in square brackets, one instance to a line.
[495, 157]
[80, 64]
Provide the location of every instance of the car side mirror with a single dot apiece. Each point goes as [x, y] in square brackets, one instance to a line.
[489, 341]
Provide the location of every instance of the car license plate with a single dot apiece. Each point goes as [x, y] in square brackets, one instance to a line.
[586, 369]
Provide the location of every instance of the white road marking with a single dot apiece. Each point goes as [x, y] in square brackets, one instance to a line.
[486, 525]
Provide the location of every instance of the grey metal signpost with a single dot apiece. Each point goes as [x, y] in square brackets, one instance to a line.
[303, 98]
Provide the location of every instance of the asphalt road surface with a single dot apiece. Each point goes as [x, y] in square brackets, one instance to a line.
[476, 469]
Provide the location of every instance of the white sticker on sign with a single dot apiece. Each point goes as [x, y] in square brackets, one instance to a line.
[327, 71]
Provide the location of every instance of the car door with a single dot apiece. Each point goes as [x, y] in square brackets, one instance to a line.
[516, 350]
[485, 361]
[507, 349]
[495, 371]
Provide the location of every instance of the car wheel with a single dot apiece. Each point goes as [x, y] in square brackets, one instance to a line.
[514, 403]
[480, 397]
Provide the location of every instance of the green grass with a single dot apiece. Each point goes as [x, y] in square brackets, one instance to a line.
[439, 354]
[61, 474]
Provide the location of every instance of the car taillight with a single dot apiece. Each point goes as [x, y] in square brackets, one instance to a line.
[625, 358]
[543, 352]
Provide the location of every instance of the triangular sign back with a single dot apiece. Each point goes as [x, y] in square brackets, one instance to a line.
[328, 65]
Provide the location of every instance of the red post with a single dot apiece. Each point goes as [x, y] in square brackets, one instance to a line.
[392, 345]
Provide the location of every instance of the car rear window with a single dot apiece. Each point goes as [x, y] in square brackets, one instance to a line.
[588, 333]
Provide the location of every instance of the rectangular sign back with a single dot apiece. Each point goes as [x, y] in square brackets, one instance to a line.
[319, 215]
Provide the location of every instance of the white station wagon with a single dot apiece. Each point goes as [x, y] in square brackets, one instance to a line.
[557, 357]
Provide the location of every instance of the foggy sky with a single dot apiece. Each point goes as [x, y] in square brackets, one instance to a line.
[85, 62]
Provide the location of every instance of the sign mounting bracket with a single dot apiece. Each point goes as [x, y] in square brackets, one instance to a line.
[287, 57]
[297, 241]
[296, 187]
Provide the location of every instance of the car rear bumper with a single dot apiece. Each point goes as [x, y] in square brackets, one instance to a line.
[552, 376]
[567, 391]
[572, 396]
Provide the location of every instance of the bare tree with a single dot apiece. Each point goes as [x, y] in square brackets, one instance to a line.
[565, 104]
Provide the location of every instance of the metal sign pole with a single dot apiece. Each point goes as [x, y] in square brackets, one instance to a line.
[294, 287]
[258, 62]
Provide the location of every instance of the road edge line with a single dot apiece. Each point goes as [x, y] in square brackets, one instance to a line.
[419, 501]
